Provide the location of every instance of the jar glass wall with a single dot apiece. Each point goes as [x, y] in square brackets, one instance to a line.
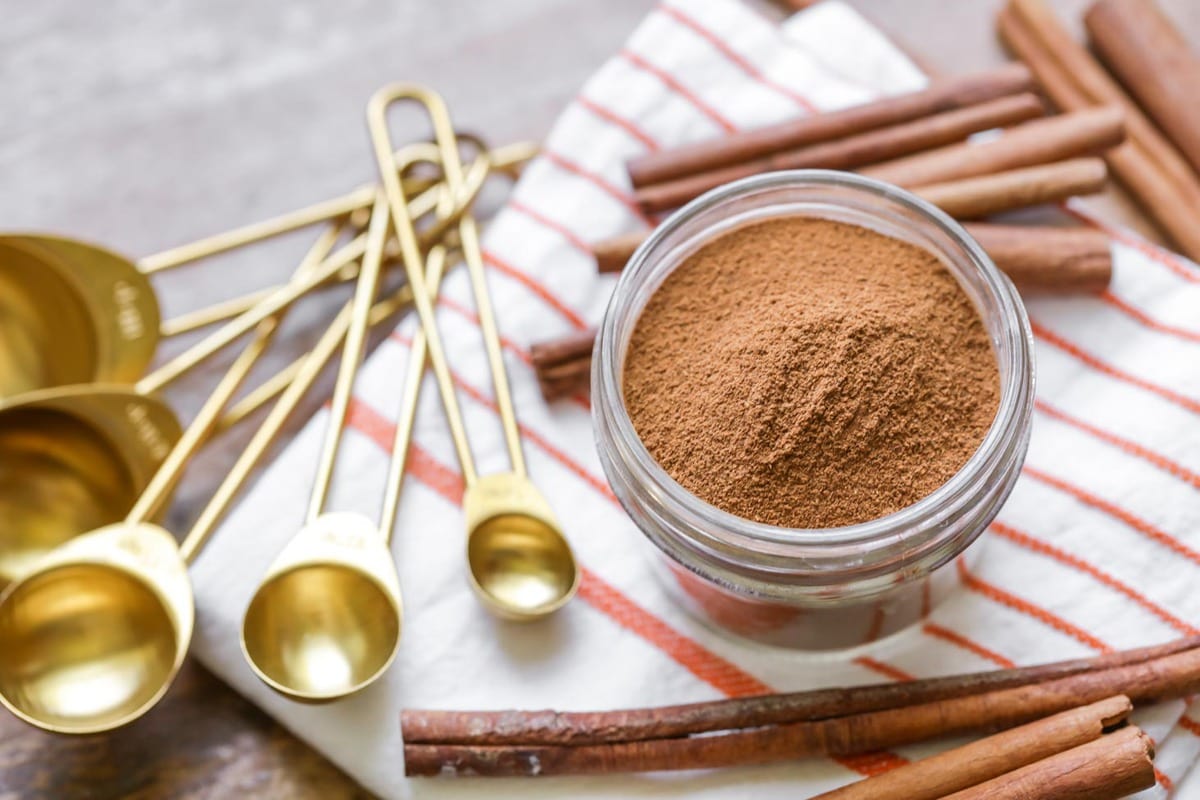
[828, 588]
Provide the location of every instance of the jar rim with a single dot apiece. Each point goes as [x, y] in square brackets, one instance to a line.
[881, 533]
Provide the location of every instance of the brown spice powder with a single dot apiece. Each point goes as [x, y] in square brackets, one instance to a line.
[809, 373]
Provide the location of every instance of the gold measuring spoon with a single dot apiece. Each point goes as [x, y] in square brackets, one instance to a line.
[72, 312]
[325, 621]
[521, 565]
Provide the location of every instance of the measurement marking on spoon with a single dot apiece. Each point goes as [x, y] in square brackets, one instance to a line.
[129, 316]
[147, 432]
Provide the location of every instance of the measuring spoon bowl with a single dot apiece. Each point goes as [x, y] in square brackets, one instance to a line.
[60, 303]
[520, 564]
[73, 460]
[325, 621]
[94, 635]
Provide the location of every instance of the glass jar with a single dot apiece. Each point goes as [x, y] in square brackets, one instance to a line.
[816, 589]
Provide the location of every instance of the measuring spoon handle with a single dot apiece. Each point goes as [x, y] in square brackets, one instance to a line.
[352, 353]
[410, 252]
[506, 158]
[229, 332]
[159, 488]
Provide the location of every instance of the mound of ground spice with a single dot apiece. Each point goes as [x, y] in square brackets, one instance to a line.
[809, 373]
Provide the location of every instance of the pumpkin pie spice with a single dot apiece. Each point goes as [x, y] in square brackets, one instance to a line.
[809, 373]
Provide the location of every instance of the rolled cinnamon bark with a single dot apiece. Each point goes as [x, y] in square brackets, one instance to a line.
[1038, 259]
[1165, 678]
[1111, 767]
[567, 348]
[1048, 260]
[592, 727]
[972, 198]
[563, 366]
[1055, 82]
[563, 380]
[854, 151]
[1149, 55]
[1067, 136]
[985, 759]
[612, 254]
[941, 96]
[1148, 166]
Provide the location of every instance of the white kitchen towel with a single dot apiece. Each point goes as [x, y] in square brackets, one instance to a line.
[1098, 548]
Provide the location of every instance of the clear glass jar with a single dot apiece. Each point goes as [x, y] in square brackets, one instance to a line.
[831, 588]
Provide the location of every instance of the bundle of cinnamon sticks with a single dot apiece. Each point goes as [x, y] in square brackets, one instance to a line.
[918, 141]
[1059, 722]
[915, 140]
[1158, 170]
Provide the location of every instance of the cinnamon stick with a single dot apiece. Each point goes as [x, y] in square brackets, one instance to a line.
[852, 151]
[1038, 259]
[1048, 260]
[591, 727]
[985, 759]
[612, 254]
[1148, 166]
[563, 366]
[1165, 678]
[1149, 55]
[1111, 767]
[941, 96]
[566, 379]
[1079, 133]
[567, 348]
[1054, 81]
[972, 198]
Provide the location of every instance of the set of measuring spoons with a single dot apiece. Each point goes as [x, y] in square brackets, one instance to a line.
[96, 606]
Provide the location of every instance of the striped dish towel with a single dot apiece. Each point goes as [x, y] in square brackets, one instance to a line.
[1098, 548]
